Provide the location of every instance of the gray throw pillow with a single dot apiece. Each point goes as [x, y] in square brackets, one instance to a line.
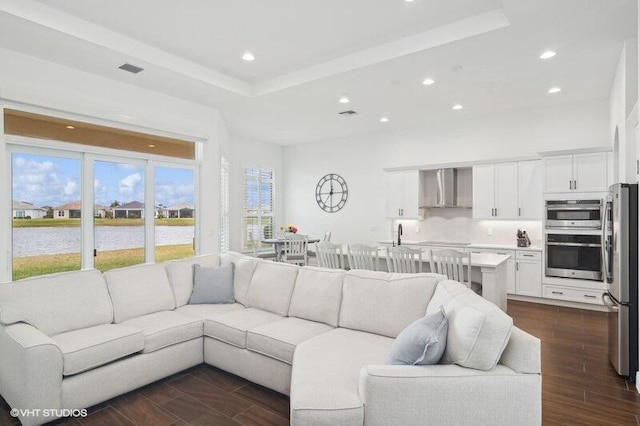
[212, 285]
[422, 342]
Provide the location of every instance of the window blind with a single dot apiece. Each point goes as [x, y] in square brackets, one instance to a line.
[258, 208]
[224, 204]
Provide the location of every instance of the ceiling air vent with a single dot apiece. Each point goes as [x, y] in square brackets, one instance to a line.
[131, 68]
[348, 113]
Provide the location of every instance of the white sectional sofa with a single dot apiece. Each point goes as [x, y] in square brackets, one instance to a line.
[73, 340]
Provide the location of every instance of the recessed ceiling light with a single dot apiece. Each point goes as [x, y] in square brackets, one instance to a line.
[555, 90]
[70, 127]
[151, 145]
[344, 99]
[408, 1]
[456, 107]
[428, 81]
[384, 119]
[548, 54]
[248, 56]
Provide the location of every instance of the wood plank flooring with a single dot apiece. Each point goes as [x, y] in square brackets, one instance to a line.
[579, 387]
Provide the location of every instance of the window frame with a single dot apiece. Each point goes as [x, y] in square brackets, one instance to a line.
[87, 154]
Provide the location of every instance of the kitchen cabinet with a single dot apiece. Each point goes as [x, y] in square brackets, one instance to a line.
[585, 172]
[511, 266]
[495, 191]
[530, 190]
[529, 273]
[403, 193]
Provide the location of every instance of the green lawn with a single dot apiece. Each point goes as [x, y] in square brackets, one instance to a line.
[28, 223]
[30, 266]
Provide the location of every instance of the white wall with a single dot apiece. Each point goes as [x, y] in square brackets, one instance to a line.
[251, 153]
[360, 160]
[88, 97]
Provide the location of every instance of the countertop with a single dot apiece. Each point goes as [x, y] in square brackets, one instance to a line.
[463, 245]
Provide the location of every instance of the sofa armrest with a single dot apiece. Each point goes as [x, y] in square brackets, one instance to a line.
[30, 370]
[449, 394]
[522, 353]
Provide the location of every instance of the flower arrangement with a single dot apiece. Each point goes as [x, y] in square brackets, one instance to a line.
[289, 228]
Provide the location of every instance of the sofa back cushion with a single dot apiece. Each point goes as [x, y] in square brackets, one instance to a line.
[57, 303]
[384, 303]
[180, 273]
[317, 295]
[242, 273]
[271, 287]
[478, 330]
[139, 290]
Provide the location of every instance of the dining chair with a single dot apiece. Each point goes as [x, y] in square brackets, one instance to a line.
[261, 254]
[327, 236]
[329, 255]
[453, 264]
[404, 259]
[362, 256]
[295, 249]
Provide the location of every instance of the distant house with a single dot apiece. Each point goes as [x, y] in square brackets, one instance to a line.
[181, 210]
[23, 209]
[133, 209]
[73, 210]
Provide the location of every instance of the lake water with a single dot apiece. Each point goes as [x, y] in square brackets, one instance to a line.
[56, 240]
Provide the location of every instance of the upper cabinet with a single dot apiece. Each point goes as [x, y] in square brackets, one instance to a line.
[403, 194]
[576, 173]
[495, 191]
[530, 190]
[510, 191]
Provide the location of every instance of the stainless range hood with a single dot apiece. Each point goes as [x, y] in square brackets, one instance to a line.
[447, 188]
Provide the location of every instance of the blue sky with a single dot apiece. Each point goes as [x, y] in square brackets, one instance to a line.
[52, 181]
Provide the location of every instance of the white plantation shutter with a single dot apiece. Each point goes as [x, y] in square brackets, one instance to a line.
[224, 204]
[257, 211]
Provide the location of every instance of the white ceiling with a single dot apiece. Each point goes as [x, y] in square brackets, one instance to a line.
[482, 54]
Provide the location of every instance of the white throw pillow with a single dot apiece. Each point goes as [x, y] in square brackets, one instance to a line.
[478, 330]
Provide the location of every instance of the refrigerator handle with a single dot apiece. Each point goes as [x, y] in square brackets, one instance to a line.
[603, 245]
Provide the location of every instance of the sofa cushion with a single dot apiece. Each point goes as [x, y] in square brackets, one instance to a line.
[165, 328]
[244, 268]
[180, 274]
[232, 327]
[212, 284]
[139, 290]
[271, 287]
[92, 347]
[422, 342]
[478, 330]
[279, 339]
[325, 376]
[57, 303]
[208, 311]
[317, 295]
[384, 303]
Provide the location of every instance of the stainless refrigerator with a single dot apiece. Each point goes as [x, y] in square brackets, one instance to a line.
[620, 264]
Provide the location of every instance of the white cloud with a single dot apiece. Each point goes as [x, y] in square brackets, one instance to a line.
[43, 181]
[130, 184]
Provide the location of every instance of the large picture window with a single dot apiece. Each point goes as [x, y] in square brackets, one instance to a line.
[258, 209]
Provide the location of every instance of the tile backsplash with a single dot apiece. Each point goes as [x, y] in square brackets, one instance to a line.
[457, 225]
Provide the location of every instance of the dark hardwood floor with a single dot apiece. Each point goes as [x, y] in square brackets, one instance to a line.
[578, 384]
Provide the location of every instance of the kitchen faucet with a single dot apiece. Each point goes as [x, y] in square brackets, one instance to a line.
[399, 233]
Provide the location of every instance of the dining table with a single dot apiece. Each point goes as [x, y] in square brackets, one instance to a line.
[278, 244]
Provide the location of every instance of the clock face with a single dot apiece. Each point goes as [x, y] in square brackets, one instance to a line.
[331, 193]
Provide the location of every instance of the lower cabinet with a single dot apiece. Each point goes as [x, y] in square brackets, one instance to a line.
[529, 273]
[511, 266]
[573, 294]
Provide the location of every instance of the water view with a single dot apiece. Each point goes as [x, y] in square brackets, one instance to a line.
[59, 240]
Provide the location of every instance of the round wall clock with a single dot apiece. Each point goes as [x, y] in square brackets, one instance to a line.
[331, 193]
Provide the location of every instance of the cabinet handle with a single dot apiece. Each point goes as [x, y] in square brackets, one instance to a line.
[575, 184]
[527, 255]
[638, 167]
[570, 185]
[519, 211]
[557, 292]
[590, 296]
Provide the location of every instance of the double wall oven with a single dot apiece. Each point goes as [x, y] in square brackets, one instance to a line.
[574, 239]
